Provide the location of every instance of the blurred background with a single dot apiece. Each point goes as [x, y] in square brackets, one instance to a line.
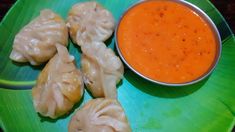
[226, 7]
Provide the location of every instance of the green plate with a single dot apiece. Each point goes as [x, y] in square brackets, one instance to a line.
[205, 106]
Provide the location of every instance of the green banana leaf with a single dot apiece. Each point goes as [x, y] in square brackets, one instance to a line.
[206, 106]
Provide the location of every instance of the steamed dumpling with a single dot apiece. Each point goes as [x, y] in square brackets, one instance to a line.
[35, 43]
[100, 115]
[59, 85]
[102, 69]
[89, 22]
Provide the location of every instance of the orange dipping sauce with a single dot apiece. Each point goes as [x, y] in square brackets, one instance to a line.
[166, 41]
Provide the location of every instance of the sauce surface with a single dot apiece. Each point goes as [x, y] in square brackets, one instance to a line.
[166, 41]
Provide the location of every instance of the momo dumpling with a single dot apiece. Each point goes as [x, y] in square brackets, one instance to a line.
[59, 85]
[35, 43]
[89, 21]
[100, 115]
[102, 69]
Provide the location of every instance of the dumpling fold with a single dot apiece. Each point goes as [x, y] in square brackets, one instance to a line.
[100, 115]
[59, 85]
[35, 43]
[102, 69]
[88, 22]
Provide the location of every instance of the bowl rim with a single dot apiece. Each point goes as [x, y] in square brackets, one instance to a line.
[204, 16]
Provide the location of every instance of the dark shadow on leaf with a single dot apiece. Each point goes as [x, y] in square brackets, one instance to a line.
[38, 67]
[7, 86]
[89, 92]
[77, 105]
[1, 130]
[71, 45]
[109, 41]
[119, 84]
[224, 30]
[159, 90]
